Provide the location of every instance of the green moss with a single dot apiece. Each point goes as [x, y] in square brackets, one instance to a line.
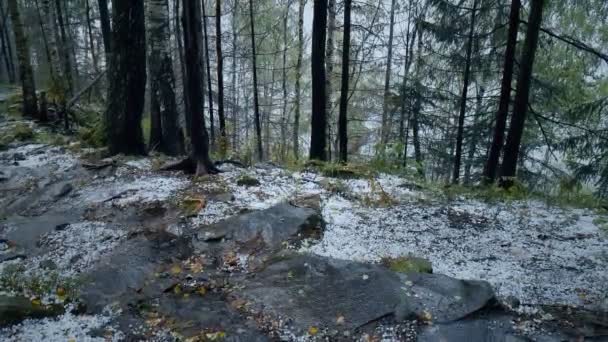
[601, 222]
[247, 181]
[13, 278]
[408, 265]
[23, 132]
[93, 136]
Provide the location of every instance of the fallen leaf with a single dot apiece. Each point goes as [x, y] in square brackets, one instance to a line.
[175, 269]
[312, 331]
[192, 205]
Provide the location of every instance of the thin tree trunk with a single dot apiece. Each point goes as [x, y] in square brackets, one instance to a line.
[475, 136]
[182, 64]
[90, 36]
[417, 107]
[387, 79]
[220, 77]
[258, 127]
[235, 121]
[329, 62]
[166, 135]
[208, 66]
[298, 88]
[127, 79]
[463, 99]
[67, 65]
[343, 116]
[284, 84]
[7, 50]
[106, 28]
[199, 139]
[491, 166]
[522, 94]
[30, 101]
[318, 129]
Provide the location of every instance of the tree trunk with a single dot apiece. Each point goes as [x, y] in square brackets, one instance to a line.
[168, 139]
[406, 99]
[208, 66]
[522, 93]
[318, 123]
[106, 28]
[284, 84]
[220, 77]
[475, 136]
[491, 166]
[30, 101]
[90, 36]
[182, 64]
[258, 127]
[417, 107]
[7, 50]
[298, 90]
[387, 79]
[329, 62]
[127, 79]
[195, 101]
[343, 116]
[65, 51]
[235, 121]
[463, 99]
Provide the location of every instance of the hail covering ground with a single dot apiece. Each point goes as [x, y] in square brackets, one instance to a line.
[537, 253]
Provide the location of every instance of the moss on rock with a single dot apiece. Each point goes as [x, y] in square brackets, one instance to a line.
[408, 265]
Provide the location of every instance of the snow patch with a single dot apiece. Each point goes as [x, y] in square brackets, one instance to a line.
[67, 327]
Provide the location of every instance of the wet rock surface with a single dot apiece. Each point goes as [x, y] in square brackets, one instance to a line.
[142, 270]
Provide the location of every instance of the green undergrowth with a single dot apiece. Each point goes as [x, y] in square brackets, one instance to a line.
[14, 278]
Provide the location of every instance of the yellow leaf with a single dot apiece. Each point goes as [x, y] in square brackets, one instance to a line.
[176, 269]
[36, 302]
[177, 289]
[201, 290]
[192, 206]
[312, 331]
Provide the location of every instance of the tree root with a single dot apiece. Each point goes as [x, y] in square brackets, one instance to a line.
[191, 167]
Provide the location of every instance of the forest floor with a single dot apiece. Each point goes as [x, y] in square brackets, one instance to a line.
[95, 248]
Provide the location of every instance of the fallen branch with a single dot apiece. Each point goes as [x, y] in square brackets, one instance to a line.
[76, 97]
[232, 162]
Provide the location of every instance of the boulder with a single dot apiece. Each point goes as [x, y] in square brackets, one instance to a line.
[267, 229]
[312, 291]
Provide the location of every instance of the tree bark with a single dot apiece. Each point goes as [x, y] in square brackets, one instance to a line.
[329, 62]
[387, 79]
[258, 127]
[65, 50]
[30, 101]
[522, 94]
[284, 84]
[298, 88]
[122, 119]
[106, 28]
[208, 66]
[343, 116]
[195, 101]
[90, 36]
[318, 124]
[220, 77]
[235, 121]
[491, 166]
[7, 50]
[475, 136]
[166, 137]
[463, 99]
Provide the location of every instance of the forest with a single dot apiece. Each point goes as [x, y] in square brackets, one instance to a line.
[293, 170]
